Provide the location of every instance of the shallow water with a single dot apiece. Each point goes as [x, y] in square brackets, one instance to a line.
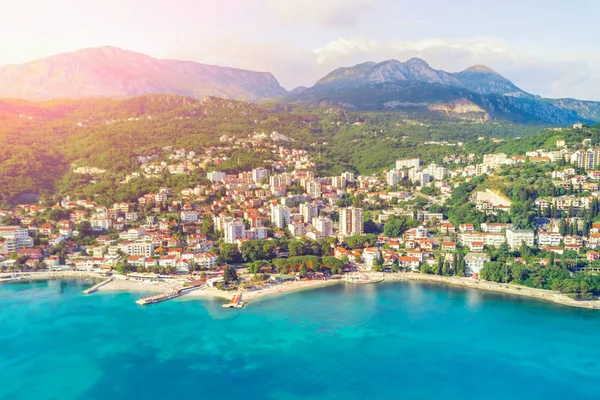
[402, 340]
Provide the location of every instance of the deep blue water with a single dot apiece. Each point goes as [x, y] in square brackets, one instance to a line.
[384, 341]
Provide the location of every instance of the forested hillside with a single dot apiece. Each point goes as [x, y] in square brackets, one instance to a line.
[42, 142]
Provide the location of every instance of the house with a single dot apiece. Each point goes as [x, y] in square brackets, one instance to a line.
[370, 255]
[409, 262]
[448, 246]
[46, 229]
[476, 246]
[475, 262]
[340, 252]
[592, 256]
[466, 228]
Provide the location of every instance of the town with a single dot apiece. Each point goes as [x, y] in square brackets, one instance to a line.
[280, 221]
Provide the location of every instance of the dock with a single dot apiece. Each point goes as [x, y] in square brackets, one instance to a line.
[236, 302]
[97, 286]
[159, 297]
[172, 294]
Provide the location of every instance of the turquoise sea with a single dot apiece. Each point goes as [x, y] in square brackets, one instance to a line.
[404, 340]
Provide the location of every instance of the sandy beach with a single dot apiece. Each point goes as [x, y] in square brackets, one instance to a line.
[129, 285]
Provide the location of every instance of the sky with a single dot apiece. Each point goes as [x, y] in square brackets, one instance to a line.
[546, 47]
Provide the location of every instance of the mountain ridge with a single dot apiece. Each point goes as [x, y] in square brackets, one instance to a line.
[112, 72]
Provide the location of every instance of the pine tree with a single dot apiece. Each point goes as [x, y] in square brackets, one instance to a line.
[455, 263]
[562, 227]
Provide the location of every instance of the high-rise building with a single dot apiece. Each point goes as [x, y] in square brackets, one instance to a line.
[351, 221]
[308, 211]
[408, 163]
[323, 224]
[313, 188]
[280, 215]
[338, 182]
[258, 174]
[216, 176]
[348, 176]
[394, 176]
[234, 230]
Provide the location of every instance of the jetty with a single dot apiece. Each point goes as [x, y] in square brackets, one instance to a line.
[172, 294]
[236, 302]
[97, 286]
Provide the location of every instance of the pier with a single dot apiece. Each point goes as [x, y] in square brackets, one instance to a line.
[236, 302]
[97, 286]
[172, 294]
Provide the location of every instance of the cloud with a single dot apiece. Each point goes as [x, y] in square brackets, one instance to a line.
[322, 13]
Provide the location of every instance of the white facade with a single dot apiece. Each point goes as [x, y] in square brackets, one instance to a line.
[216, 176]
[234, 230]
[475, 262]
[408, 163]
[280, 216]
[515, 238]
[323, 224]
[309, 211]
[351, 221]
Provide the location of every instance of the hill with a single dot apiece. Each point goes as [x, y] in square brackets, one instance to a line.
[44, 141]
[110, 72]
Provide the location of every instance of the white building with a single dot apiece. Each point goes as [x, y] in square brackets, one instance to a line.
[17, 238]
[348, 176]
[189, 216]
[338, 182]
[216, 176]
[280, 216]
[408, 163]
[394, 176]
[323, 224]
[515, 238]
[258, 174]
[475, 262]
[313, 188]
[351, 221]
[234, 230]
[100, 224]
[145, 249]
[308, 211]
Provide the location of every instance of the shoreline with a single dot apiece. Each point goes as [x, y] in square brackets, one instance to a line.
[506, 288]
[132, 286]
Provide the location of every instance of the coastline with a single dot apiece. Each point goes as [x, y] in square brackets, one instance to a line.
[127, 285]
[506, 288]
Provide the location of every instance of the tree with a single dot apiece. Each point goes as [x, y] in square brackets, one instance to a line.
[229, 274]
[85, 229]
[303, 271]
[296, 248]
[395, 265]
[229, 253]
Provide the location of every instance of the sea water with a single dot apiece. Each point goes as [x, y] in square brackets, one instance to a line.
[404, 340]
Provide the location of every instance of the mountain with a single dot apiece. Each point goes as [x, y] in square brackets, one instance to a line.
[481, 94]
[483, 80]
[116, 73]
[389, 71]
